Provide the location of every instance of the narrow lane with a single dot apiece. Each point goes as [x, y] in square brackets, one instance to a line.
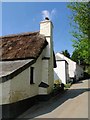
[72, 104]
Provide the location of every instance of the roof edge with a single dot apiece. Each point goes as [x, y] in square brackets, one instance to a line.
[19, 34]
[16, 72]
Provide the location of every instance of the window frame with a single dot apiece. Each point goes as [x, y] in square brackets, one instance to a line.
[31, 75]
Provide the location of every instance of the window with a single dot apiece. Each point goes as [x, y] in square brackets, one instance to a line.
[31, 75]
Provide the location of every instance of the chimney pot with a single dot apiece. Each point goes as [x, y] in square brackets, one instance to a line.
[46, 18]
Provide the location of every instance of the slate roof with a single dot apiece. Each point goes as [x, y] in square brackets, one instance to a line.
[22, 46]
[58, 58]
[9, 69]
[10, 66]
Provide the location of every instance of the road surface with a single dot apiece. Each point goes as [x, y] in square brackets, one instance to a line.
[72, 104]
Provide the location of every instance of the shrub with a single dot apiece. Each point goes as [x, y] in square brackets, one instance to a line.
[57, 82]
[67, 85]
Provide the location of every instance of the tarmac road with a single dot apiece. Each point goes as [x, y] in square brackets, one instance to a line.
[72, 104]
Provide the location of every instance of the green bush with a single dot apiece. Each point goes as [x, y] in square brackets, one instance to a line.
[67, 85]
[57, 82]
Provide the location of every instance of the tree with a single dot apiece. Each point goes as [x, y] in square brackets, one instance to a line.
[74, 56]
[81, 30]
[66, 53]
[81, 18]
[77, 58]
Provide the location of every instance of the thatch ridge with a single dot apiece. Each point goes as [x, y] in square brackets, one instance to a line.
[18, 34]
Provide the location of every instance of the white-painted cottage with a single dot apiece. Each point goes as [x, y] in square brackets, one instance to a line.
[27, 62]
[75, 71]
[61, 72]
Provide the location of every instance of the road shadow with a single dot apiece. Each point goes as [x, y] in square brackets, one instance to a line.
[48, 106]
[78, 82]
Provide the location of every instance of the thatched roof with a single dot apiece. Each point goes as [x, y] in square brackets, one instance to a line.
[22, 46]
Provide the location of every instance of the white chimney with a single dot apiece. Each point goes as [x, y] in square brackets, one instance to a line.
[46, 29]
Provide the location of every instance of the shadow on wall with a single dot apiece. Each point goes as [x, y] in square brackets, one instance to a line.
[49, 106]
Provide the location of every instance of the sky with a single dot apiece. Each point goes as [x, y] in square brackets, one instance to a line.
[18, 17]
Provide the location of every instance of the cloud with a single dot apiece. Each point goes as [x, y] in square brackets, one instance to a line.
[45, 13]
[50, 15]
[53, 13]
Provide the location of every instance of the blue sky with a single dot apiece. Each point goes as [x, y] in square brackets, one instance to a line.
[18, 17]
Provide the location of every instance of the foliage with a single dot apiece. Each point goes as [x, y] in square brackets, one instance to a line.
[68, 85]
[81, 54]
[66, 53]
[81, 31]
[75, 56]
[56, 88]
[57, 82]
[81, 18]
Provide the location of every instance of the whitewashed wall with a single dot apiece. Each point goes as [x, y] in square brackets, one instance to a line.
[44, 76]
[5, 92]
[50, 75]
[60, 72]
[46, 29]
[47, 73]
[0, 93]
[71, 65]
[19, 87]
[74, 69]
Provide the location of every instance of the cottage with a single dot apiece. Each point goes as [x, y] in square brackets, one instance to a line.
[75, 71]
[27, 69]
[61, 71]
